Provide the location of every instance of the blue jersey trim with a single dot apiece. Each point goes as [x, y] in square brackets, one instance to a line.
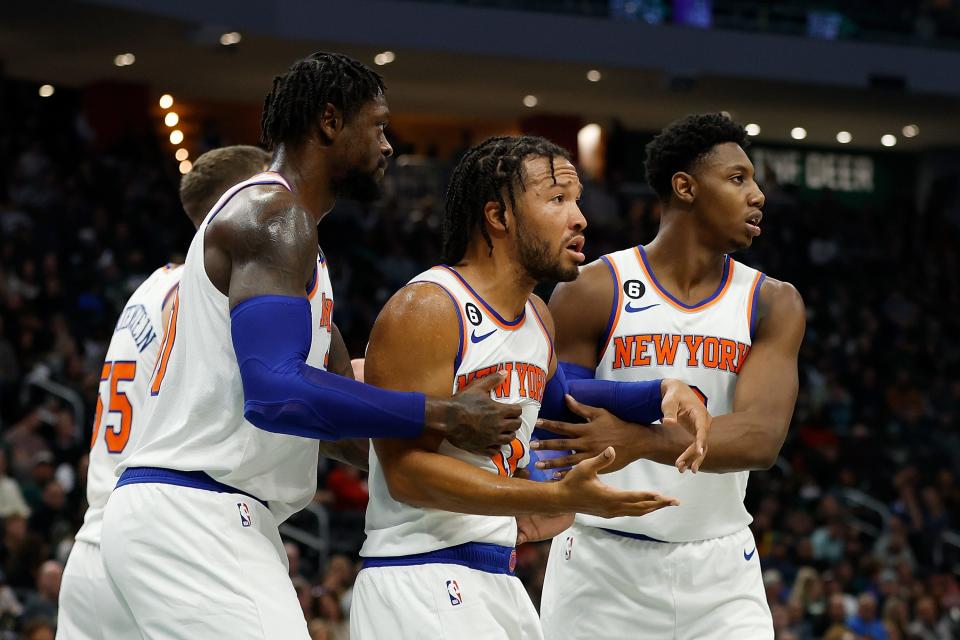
[191, 479]
[689, 307]
[213, 214]
[490, 558]
[491, 310]
[614, 309]
[633, 536]
[753, 305]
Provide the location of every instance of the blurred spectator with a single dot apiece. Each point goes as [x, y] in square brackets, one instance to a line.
[865, 623]
[42, 604]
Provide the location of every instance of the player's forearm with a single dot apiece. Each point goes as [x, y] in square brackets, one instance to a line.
[354, 452]
[742, 441]
[431, 480]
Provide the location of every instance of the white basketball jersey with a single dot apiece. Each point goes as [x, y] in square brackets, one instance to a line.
[196, 419]
[124, 383]
[488, 344]
[653, 335]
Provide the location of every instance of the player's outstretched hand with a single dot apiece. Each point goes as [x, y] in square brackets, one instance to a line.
[472, 420]
[602, 429]
[683, 408]
[583, 492]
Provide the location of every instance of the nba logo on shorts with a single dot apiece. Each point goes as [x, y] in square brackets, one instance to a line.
[568, 548]
[245, 518]
[453, 590]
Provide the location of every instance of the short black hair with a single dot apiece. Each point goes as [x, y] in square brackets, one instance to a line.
[683, 143]
[298, 96]
[216, 171]
[482, 175]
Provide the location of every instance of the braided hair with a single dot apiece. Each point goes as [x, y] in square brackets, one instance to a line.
[298, 96]
[683, 143]
[483, 174]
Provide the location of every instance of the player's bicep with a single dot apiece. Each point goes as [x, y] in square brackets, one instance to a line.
[580, 311]
[768, 382]
[413, 345]
[271, 253]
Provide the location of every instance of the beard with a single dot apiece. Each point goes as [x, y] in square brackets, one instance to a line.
[540, 262]
[358, 185]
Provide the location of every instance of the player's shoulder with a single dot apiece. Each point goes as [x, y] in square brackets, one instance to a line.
[592, 290]
[543, 312]
[420, 318]
[263, 216]
[780, 294]
[780, 309]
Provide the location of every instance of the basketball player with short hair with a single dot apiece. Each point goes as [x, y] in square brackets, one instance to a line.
[85, 596]
[441, 522]
[241, 394]
[680, 307]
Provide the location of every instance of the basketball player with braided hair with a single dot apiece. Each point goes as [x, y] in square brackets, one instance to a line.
[442, 522]
[244, 390]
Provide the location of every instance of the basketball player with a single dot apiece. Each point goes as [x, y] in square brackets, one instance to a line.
[681, 307]
[85, 595]
[441, 521]
[240, 393]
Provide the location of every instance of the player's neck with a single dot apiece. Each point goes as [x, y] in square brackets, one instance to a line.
[308, 177]
[680, 258]
[497, 278]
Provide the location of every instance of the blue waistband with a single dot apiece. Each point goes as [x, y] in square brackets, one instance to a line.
[192, 479]
[634, 536]
[491, 558]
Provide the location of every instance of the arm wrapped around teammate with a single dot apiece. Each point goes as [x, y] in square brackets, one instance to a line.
[283, 394]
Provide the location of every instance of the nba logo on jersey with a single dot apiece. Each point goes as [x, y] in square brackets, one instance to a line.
[245, 518]
[453, 590]
[568, 548]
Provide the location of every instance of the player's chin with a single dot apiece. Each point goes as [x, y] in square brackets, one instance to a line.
[567, 272]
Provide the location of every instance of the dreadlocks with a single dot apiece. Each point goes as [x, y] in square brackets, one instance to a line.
[484, 173]
[300, 95]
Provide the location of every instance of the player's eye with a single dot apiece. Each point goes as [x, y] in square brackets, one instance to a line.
[738, 179]
[557, 198]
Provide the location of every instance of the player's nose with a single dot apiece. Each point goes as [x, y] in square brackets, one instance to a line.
[578, 221]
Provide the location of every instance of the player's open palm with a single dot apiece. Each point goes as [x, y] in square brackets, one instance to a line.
[683, 408]
[477, 423]
[583, 491]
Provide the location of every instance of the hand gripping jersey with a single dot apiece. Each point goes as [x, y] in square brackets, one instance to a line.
[196, 419]
[488, 344]
[124, 386]
[653, 335]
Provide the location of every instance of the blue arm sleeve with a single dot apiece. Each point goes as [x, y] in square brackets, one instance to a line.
[631, 401]
[553, 407]
[283, 394]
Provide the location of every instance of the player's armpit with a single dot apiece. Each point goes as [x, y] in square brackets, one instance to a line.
[339, 362]
[581, 310]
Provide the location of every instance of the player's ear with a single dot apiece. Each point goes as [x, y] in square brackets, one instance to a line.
[494, 216]
[330, 123]
[684, 187]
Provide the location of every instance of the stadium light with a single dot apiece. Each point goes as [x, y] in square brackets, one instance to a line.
[753, 129]
[230, 38]
[911, 131]
[384, 57]
[181, 154]
[530, 101]
[124, 59]
[594, 76]
[888, 140]
[46, 90]
[171, 119]
[844, 137]
[185, 167]
[798, 133]
[176, 136]
[166, 101]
